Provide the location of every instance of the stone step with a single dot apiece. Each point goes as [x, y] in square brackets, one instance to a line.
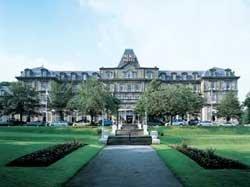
[125, 140]
[129, 127]
[137, 132]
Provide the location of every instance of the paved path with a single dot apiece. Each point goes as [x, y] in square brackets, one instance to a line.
[125, 166]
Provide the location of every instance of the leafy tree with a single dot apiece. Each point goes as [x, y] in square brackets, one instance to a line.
[23, 99]
[247, 105]
[229, 107]
[170, 100]
[93, 98]
[59, 96]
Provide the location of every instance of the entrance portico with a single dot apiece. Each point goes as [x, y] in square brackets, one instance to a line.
[127, 115]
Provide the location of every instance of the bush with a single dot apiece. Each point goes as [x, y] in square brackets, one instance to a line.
[208, 159]
[99, 131]
[46, 156]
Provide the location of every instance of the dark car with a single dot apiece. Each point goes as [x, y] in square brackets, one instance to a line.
[107, 122]
[36, 123]
[155, 121]
[193, 122]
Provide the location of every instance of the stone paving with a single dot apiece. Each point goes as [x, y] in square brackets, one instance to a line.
[125, 166]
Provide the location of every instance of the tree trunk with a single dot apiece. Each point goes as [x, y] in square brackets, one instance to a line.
[228, 118]
[21, 117]
[61, 115]
[171, 120]
[117, 118]
[91, 119]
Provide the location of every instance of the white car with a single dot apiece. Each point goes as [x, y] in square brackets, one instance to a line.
[205, 123]
[179, 122]
[59, 123]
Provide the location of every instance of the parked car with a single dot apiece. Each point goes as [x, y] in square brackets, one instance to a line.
[205, 123]
[81, 123]
[193, 122]
[59, 123]
[36, 123]
[155, 121]
[107, 122]
[11, 122]
[179, 122]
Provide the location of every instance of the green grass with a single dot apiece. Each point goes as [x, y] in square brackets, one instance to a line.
[230, 142]
[18, 141]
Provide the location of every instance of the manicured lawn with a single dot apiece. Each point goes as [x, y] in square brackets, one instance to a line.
[18, 141]
[231, 142]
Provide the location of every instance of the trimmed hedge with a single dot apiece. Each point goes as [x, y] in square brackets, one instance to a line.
[208, 159]
[47, 156]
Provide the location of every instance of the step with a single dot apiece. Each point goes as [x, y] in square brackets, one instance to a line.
[126, 140]
[137, 132]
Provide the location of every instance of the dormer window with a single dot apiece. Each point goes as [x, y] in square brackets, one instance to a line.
[44, 72]
[195, 75]
[63, 76]
[149, 75]
[184, 76]
[73, 76]
[173, 76]
[110, 75]
[163, 77]
[27, 73]
[84, 76]
[228, 72]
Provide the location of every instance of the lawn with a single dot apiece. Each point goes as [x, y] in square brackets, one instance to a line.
[230, 142]
[18, 141]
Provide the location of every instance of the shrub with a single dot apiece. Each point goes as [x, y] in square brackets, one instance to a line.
[46, 156]
[208, 159]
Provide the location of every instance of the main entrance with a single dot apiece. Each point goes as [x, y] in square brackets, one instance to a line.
[126, 116]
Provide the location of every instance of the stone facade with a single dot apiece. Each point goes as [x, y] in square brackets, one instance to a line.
[129, 80]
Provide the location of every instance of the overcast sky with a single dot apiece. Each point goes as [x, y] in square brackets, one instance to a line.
[89, 34]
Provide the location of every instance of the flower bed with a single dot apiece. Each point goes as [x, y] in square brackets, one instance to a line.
[209, 160]
[47, 156]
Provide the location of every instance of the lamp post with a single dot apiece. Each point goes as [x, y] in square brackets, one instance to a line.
[46, 106]
[102, 124]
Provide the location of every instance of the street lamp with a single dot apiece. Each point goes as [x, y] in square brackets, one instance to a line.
[102, 124]
[46, 106]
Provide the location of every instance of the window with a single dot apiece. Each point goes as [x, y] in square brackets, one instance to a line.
[136, 87]
[228, 85]
[44, 73]
[84, 77]
[109, 75]
[27, 72]
[134, 75]
[73, 76]
[184, 76]
[149, 75]
[129, 88]
[212, 86]
[163, 77]
[129, 75]
[173, 76]
[121, 88]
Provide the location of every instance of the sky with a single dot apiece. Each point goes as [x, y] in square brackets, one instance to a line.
[89, 34]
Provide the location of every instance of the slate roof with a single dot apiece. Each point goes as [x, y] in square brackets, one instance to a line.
[128, 57]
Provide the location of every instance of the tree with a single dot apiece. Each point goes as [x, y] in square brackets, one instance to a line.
[170, 100]
[246, 103]
[93, 98]
[23, 99]
[229, 107]
[59, 96]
